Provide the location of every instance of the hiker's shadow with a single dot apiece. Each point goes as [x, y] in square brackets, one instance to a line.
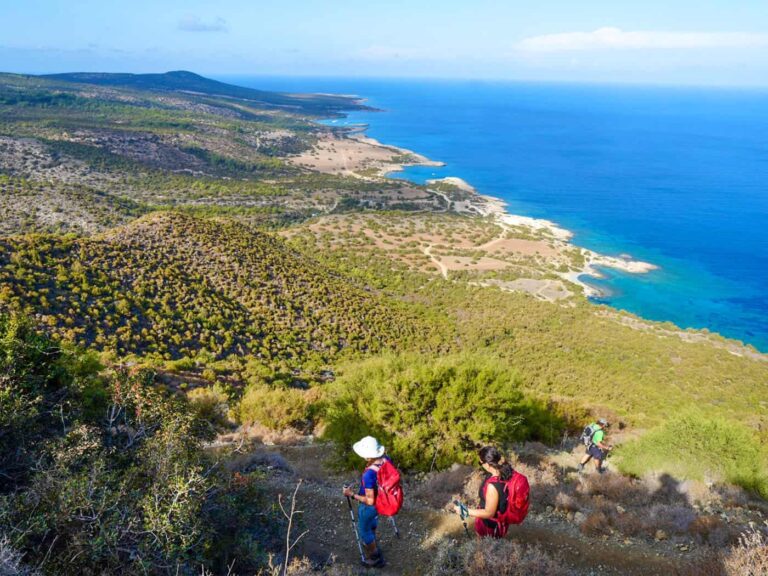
[669, 491]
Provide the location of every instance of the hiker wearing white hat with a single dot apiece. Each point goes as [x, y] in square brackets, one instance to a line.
[367, 515]
[368, 448]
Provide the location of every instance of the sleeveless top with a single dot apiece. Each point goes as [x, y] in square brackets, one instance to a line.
[499, 485]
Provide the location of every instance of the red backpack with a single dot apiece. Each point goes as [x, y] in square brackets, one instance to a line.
[517, 492]
[389, 496]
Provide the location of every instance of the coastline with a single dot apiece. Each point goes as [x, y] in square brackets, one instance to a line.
[348, 150]
[496, 208]
[461, 197]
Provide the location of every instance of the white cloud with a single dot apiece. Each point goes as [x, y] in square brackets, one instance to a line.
[616, 39]
[192, 23]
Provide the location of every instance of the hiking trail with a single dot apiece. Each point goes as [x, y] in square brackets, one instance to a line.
[325, 514]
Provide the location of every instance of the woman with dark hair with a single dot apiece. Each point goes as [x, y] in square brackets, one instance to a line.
[503, 496]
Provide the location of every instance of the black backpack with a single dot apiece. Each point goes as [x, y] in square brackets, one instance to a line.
[587, 434]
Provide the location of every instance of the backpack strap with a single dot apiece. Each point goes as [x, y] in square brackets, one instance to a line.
[375, 467]
[593, 430]
[501, 489]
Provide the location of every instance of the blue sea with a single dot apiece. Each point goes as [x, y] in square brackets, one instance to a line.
[673, 176]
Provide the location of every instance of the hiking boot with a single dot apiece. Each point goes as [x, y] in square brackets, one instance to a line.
[374, 558]
[375, 562]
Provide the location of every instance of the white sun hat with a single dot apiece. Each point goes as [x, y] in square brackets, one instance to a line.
[368, 447]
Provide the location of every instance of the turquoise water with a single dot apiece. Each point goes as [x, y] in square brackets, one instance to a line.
[674, 176]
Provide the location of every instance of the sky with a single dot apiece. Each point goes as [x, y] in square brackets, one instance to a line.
[713, 42]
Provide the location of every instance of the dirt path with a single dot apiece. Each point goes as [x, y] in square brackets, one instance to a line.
[442, 267]
[331, 537]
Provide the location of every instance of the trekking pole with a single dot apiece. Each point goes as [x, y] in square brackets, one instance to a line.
[463, 514]
[354, 527]
[394, 525]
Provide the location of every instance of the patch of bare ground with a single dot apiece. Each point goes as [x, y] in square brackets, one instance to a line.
[549, 290]
[29, 158]
[356, 155]
[45, 207]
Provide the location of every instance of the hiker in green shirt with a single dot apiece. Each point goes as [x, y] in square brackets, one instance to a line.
[593, 438]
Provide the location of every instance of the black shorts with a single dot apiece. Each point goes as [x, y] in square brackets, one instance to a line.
[595, 452]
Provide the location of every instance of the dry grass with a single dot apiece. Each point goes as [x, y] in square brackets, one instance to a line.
[440, 488]
[498, 557]
[303, 567]
[596, 524]
[566, 503]
[614, 487]
[711, 530]
[11, 561]
[472, 486]
[750, 557]
[547, 479]
[260, 434]
[654, 507]
[629, 523]
[259, 459]
[669, 518]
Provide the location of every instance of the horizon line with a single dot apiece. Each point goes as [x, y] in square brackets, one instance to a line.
[437, 78]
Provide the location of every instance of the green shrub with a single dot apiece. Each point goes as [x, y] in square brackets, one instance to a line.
[181, 365]
[38, 390]
[121, 485]
[424, 408]
[700, 447]
[210, 404]
[275, 408]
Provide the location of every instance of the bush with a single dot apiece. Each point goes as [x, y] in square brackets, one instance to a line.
[124, 487]
[42, 385]
[498, 557]
[423, 408]
[669, 518]
[274, 407]
[614, 487]
[181, 365]
[210, 404]
[710, 530]
[629, 523]
[700, 447]
[595, 524]
[750, 557]
[566, 503]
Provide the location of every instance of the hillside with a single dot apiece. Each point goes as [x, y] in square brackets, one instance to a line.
[507, 293]
[149, 143]
[183, 81]
[172, 286]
